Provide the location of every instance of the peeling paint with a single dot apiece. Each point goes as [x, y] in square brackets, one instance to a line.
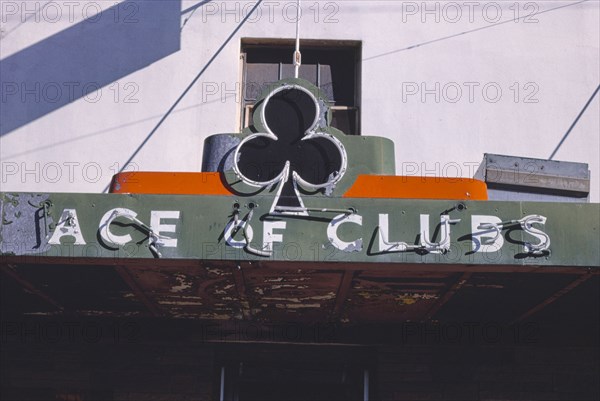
[181, 303]
[183, 284]
[411, 298]
[281, 299]
[214, 316]
[217, 272]
[355, 246]
[297, 306]
[485, 286]
[280, 286]
[298, 279]
[38, 313]
[328, 296]
[106, 313]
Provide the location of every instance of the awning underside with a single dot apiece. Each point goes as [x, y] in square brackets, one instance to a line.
[271, 293]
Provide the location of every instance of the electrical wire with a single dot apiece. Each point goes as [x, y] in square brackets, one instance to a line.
[574, 123]
[189, 87]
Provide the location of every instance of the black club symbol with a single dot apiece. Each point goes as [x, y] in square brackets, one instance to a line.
[292, 145]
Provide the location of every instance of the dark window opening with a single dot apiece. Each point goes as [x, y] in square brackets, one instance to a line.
[334, 69]
[287, 373]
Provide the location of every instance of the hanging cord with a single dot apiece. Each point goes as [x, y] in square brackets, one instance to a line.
[297, 54]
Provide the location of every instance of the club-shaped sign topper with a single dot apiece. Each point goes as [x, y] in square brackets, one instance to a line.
[293, 155]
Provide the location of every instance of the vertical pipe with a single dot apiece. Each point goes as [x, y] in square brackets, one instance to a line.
[297, 52]
[366, 385]
[222, 397]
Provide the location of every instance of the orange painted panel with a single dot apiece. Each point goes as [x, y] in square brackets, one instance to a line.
[365, 186]
[405, 187]
[165, 183]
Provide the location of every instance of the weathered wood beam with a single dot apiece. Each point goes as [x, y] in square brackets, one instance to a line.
[10, 271]
[343, 290]
[240, 286]
[448, 294]
[560, 293]
[130, 280]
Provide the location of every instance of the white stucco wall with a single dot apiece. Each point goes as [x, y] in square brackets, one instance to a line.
[546, 66]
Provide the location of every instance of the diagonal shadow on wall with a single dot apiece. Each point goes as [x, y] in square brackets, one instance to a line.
[85, 57]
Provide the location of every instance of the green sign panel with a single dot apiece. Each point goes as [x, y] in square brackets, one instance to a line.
[334, 230]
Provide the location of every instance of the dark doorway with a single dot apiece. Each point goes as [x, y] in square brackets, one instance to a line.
[295, 373]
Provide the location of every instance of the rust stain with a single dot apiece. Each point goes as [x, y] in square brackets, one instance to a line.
[406, 300]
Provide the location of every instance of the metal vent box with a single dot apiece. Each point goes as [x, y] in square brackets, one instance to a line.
[515, 178]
